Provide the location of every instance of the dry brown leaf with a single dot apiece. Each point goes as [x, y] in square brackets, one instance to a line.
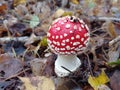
[111, 29]
[115, 80]
[3, 7]
[9, 65]
[37, 66]
[2, 30]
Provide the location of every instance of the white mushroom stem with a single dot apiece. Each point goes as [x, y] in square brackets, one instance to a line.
[70, 62]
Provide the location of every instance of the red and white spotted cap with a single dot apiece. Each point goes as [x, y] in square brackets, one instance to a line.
[68, 35]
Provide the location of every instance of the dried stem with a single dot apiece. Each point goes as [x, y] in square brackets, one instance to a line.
[21, 39]
[117, 39]
[105, 18]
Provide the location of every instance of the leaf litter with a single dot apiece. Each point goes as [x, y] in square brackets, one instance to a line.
[26, 60]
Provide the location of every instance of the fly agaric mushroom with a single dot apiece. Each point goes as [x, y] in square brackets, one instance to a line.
[68, 36]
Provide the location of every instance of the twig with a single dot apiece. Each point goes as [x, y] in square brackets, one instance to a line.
[66, 69]
[117, 39]
[89, 64]
[7, 39]
[21, 39]
[104, 18]
[16, 74]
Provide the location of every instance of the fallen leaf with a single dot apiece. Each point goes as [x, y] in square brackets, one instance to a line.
[46, 84]
[17, 29]
[113, 56]
[3, 7]
[59, 13]
[103, 87]
[91, 3]
[9, 65]
[17, 2]
[75, 1]
[5, 85]
[69, 85]
[16, 46]
[111, 30]
[116, 63]
[37, 65]
[27, 83]
[49, 66]
[115, 80]
[95, 82]
[42, 43]
[34, 21]
[67, 13]
[3, 30]
[38, 83]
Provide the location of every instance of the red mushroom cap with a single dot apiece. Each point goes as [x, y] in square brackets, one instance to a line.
[68, 35]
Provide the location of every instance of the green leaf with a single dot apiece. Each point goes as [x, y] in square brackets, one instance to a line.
[43, 42]
[91, 5]
[114, 63]
[34, 21]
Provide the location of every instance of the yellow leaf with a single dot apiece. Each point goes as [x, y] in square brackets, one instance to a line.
[45, 84]
[67, 13]
[75, 1]
[95, 82]
[17, 2]
[38, 83]
[27, 83]
[103, 78]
